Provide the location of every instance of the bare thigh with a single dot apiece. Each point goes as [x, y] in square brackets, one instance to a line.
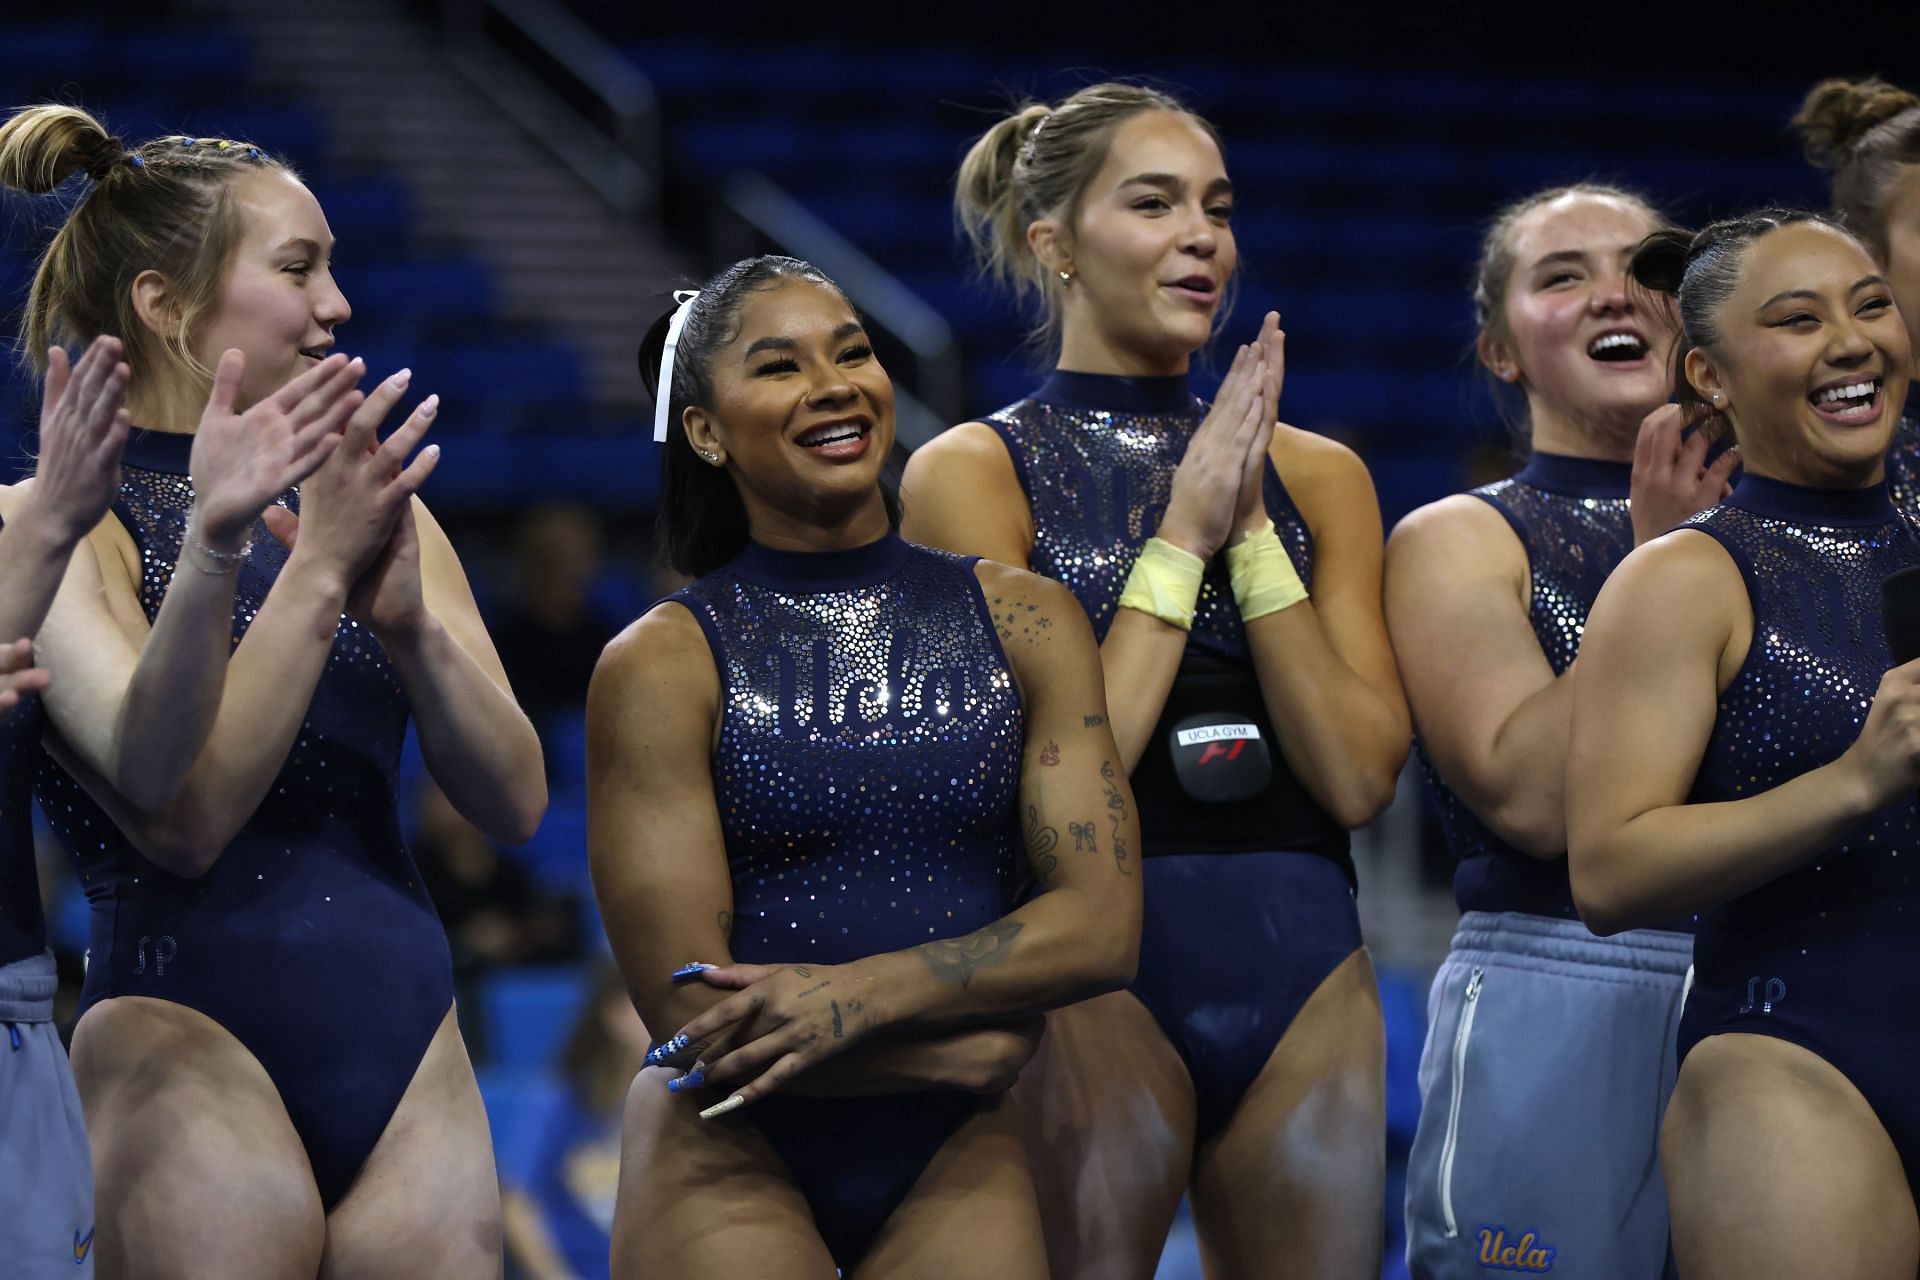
[197, 1170]
[1108, 1111]
[1293, 1186]
[971, 1215]
[427, 1201]
[1777, 1169]
[705, 1198]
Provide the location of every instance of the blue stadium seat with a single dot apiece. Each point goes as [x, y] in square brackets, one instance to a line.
[529, 1012]
[518, 1100]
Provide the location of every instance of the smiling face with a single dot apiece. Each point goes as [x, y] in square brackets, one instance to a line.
[278, 302]
[1150, 248]
[1587, 352]
[1812, 359]
[802, 413]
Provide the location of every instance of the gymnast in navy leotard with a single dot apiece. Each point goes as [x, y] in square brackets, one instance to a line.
[265, 969]
[1258, 731]
[1549, 1051]
[834, 766]
[1741, 750]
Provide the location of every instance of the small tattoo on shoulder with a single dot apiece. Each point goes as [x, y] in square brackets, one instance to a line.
[1093, 722]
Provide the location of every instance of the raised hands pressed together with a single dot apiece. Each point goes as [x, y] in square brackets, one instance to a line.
[242, 461]
[1226, 458]
[356, 520]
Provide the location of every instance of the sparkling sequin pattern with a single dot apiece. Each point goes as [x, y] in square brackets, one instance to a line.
[320, 867]
[1098, 482]
[1573, 540]
[1798, 702]
[23, 928]
[868, 764]
[1903, 466]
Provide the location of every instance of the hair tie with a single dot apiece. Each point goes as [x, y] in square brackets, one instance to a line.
[663, 389]
[111, 153]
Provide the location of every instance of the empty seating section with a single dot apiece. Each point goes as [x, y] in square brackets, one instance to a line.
[420, 304]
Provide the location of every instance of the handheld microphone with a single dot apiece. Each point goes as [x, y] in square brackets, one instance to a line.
[1900, 614]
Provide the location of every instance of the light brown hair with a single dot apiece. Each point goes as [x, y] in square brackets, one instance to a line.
[1865, 131]
[163, 206]
[1036, 163]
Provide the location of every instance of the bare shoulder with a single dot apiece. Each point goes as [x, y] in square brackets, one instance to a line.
[1685, 568]
[665, 636]
[1456, 528]
[659, 663]
[967, 462]
[969, 444]
[1310, 459]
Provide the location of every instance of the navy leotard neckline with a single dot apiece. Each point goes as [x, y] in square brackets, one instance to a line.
[813, 571]
[1580, 477]
[1112, 393]
[1779, 500]
[168, 452]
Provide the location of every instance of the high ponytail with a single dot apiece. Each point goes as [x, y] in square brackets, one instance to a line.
[41, 147]
[1036, 163]
[986, 205]
[1865, 131]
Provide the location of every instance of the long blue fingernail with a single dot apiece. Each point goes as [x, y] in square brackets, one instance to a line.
[691, 1080]
[661, 1052]
[688, 972]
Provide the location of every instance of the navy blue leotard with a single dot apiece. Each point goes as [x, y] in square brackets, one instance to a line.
[1573, 518]
[868, 776]
[1825, 956]
[1096, 456]
[311, 940]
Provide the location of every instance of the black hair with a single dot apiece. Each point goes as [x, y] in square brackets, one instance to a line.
[1700, 270]
[700, 522]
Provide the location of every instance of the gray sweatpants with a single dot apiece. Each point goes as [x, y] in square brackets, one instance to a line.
[1547, 1068]
[46, 1176]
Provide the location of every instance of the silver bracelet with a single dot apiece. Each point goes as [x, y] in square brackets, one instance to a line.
[225, 562]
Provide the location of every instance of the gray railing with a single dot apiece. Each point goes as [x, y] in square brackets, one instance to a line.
[597, 112]
[604, 125]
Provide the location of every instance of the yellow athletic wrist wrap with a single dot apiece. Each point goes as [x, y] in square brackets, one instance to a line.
[1165, 582]
[1264, 580]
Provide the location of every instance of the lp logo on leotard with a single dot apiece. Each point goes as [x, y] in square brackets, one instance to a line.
[1764, 998]
[163, 949]
[1524, 1254]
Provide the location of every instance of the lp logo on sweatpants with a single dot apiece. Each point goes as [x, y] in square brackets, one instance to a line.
[1525, 1254]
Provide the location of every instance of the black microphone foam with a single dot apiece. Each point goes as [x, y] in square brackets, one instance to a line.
[1900, 616]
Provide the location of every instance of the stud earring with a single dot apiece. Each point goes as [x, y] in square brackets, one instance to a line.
[710, 455]
[1066, 277]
